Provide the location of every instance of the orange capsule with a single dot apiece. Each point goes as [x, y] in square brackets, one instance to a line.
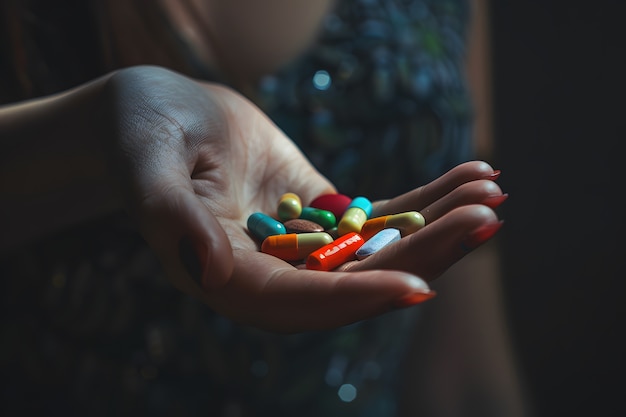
[336, 253]
[407, 222]
[294, 246]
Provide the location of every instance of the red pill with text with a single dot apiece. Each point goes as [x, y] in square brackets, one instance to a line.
[336, 253]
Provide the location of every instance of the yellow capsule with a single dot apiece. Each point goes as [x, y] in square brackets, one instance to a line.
[295, 246]
[289, 206]
[407, 222]
[355, 216]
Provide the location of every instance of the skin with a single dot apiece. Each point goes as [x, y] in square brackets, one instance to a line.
[193, 160]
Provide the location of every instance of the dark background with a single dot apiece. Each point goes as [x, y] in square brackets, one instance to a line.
[559, 102]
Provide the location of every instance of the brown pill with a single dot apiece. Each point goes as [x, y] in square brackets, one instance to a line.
[302, 226]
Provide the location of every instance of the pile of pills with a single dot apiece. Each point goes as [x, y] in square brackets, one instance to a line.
[332, 230]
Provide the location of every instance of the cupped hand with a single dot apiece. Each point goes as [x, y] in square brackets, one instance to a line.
[195, 159]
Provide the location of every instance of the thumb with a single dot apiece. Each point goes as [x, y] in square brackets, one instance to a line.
[191, 244]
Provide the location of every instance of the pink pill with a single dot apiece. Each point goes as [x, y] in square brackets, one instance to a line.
[335, 203]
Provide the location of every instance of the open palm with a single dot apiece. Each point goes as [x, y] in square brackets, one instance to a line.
[196, 159]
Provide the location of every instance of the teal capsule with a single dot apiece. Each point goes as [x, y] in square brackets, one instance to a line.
[324, 218]
[261, 226]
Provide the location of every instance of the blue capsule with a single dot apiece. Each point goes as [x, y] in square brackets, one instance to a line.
[261, 226]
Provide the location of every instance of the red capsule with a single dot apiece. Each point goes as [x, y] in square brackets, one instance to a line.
[336, 253]
[335, 203]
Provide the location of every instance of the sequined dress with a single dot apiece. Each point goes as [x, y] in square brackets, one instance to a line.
[379, 105]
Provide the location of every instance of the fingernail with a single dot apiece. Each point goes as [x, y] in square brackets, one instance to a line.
[417, 284]
[480, 235]
[193, 259]
[414, 298]
[494, 176]
[495, 201]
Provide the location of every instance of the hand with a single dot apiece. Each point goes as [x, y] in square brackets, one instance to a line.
[196, 159]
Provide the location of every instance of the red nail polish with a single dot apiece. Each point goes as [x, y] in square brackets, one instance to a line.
[415, 298]
[495, 200]
[494, 176]
[480, 235]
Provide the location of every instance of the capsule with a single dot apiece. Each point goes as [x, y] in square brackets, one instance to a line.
[261, 226]
[335, 203]
[381, 239]
[407, 222]
[289, 207]
[357, 213]
[336, 253]
[324, 218]
[295, 246]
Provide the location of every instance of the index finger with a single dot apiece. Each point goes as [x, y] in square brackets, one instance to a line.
[425, 195]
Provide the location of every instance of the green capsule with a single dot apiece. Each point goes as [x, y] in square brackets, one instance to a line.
[324, 218]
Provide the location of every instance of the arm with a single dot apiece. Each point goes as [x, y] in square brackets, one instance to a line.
[52, 169]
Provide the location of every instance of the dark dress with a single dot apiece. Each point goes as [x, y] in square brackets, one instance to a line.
[92, 327]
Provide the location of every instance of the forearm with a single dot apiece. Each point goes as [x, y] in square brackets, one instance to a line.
[53, 172]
